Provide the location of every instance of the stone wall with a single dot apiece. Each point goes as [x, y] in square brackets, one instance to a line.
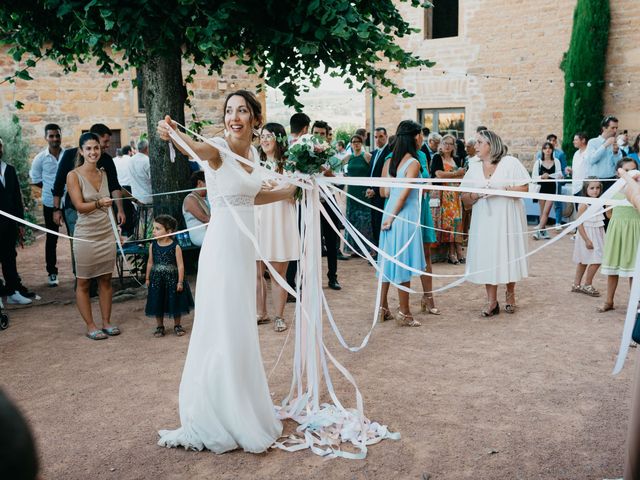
[80, 99]
[523, 42]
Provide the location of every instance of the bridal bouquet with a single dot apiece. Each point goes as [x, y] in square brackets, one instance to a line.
[311, 155]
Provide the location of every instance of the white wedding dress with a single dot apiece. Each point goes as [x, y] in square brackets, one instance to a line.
[224, 398]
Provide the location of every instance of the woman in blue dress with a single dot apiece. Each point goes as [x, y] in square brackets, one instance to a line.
[400, 235]
[427, 303]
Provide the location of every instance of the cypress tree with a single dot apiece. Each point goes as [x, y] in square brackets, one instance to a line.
[583, 65]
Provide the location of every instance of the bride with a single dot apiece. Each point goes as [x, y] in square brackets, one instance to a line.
[224, 399]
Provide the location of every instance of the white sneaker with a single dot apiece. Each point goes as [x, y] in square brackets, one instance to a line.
[17, 299]
[53, 280]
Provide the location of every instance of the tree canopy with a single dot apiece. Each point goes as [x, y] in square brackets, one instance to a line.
[285, 42]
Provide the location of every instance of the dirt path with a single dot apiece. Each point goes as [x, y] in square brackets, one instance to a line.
[527, 396]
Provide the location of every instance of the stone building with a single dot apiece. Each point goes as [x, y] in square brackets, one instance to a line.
[498, 64]
[80, 99]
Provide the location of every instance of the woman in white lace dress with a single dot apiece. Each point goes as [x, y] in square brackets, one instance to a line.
[224, 399]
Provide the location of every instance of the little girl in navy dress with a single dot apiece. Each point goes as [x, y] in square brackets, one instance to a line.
[169, 292]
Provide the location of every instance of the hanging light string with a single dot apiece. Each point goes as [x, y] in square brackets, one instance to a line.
[528, 78]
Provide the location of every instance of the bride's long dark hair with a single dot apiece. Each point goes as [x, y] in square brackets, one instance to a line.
[405, 143]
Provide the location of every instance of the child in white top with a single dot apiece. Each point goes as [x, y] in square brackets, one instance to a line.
[589, 244]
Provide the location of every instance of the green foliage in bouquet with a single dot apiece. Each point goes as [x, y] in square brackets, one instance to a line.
[311, 155]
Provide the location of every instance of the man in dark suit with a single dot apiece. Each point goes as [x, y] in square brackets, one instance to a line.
[10, 230]
[378, 157]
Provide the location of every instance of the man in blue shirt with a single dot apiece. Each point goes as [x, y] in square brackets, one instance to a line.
[601, 157]
[43, 175]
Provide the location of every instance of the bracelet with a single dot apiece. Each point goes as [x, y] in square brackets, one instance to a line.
[97, 203]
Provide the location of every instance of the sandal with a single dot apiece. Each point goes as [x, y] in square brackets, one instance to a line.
[491, 313]
[576, 288]
[262, 319]
[606, 307]
[404, 320]
[179, 330]
[279, 325]
[589, 290]
[425, 303]
[158, 332]
[453, 260]
[112, 331]
[510, 306]
[97, 335]
[384, 314]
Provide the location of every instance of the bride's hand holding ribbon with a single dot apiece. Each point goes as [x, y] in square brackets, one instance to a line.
[164, 126]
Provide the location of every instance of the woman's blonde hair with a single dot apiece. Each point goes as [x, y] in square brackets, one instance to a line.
[497, 148]
[448, 136]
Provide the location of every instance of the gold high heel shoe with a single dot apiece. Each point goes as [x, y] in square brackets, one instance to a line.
[403, 320]
[384, 314]
[510, 306]
[424, 305]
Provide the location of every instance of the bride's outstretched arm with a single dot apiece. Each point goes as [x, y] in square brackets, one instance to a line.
[203, 150]
[268, 195]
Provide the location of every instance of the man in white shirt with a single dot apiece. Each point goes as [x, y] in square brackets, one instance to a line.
[577, 170]
[43, 175]
[140, 174]
[122, 167]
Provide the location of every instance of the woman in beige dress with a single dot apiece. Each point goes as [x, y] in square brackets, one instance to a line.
[89, 192]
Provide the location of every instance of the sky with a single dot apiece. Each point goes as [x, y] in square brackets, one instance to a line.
[332, 102]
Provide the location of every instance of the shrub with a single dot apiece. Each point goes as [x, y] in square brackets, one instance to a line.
[583, 65]
[16, 153]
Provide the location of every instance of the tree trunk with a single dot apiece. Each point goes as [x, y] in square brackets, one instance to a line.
[164, 94]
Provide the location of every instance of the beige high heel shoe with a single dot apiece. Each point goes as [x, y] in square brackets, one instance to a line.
[510, 305]
[403, 320]
[279, 325]
[425, 301]
[384, 314]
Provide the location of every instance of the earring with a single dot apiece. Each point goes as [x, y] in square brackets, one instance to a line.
[226, 133]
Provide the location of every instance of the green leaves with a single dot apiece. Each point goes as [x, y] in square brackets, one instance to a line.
[282, 41]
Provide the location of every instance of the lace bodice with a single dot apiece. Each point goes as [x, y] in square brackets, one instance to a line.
[231, 180]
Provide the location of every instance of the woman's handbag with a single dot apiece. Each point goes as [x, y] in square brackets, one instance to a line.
[635, 335]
